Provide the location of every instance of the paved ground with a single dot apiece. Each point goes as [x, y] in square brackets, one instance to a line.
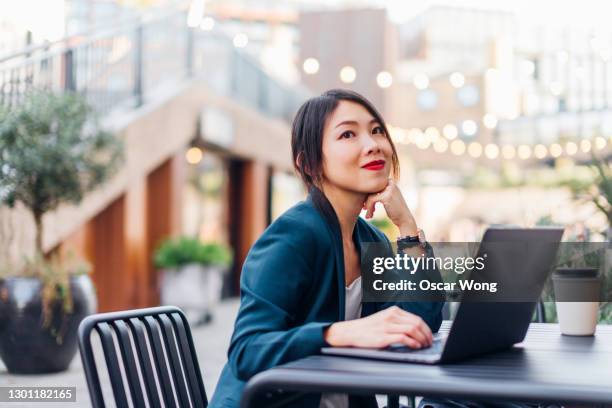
[211, 341]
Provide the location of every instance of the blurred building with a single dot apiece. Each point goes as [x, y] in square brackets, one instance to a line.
[207, 139]
[479, 83]
[348, 48]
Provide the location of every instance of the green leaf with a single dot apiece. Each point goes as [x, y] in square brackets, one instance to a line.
[176, 252]
[52, 151]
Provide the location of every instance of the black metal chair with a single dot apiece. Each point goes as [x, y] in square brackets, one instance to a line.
[152, 350]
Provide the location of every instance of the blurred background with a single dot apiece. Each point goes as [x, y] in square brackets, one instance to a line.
[501, 112]
[145, 144]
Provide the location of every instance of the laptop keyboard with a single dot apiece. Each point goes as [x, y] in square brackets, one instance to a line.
[436, 348]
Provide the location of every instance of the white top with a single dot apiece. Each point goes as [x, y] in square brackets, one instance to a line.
[352, 311]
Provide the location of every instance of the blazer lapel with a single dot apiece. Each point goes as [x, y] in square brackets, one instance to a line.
[318, 200]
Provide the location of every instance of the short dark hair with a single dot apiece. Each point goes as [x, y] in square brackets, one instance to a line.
[307, 132]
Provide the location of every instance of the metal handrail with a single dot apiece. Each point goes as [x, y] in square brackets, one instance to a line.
[123, 64]
[85, 35]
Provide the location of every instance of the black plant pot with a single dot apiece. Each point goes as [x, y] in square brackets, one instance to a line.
[26, 347]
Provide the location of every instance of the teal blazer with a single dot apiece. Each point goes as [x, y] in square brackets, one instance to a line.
[292, 288]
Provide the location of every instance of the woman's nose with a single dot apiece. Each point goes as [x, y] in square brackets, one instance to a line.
[370, 144]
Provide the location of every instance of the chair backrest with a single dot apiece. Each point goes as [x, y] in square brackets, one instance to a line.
[152, 350]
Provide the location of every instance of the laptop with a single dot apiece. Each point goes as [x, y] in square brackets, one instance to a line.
[482, 327]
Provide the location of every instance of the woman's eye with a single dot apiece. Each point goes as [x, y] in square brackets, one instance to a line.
[378, 129]
[346, 134]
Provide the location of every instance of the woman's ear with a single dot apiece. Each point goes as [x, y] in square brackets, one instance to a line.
[299, 161]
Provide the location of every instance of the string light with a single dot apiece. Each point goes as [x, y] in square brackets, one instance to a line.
[421, 81]
[508, 152]
[423, 141]
[193, 155]
[489, 120]
[432, 133]
[450, 131]
[457, 80]
[440, 145]
[457, 147]
[241, 40]
[524, 152]
[475, 149]
[491, 151]
[585, 145]
[446, 140]
[348, 74]
[555, 150]
[207, 24]
[399, 135]
[384, 79]
[311, 66]
[571, 148]
[540, 151]
[469, 127]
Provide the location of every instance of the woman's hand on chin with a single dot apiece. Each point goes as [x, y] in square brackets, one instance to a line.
[390, 326]
[395, 206]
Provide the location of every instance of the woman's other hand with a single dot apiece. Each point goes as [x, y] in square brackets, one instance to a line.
[389, 326]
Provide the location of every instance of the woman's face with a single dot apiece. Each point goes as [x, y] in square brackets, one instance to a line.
[356, 152]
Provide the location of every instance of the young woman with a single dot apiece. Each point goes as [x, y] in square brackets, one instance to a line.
[300, 284]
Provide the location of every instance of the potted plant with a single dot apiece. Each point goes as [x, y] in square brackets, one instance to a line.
[596, 189]
[192, 275]
[51, 152]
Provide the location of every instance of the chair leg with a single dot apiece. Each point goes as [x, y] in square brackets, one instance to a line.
[541, 312]
[393, 401]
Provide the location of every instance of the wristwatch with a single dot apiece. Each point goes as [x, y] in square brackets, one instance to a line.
[410, 241]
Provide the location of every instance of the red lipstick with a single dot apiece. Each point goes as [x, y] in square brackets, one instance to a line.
[374, 165]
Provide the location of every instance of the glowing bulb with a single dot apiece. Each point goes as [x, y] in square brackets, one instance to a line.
[311, 66]
[208, 23]
[475, 149]
[450, 131]
[469, 127]
[508, 152]
[524, 152]
[193, 155]
[489, 120]
[491, 151]
[384, 79]
[457, 79]
[556, 150]
[423, 141]
[414, 134]
[457, 147]
[241, 40]
[348, 74]
[421, 81]
[585, 145]
[571, 148]
[440, 145]
[432, 133]
[399, 135]
[540, 151]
